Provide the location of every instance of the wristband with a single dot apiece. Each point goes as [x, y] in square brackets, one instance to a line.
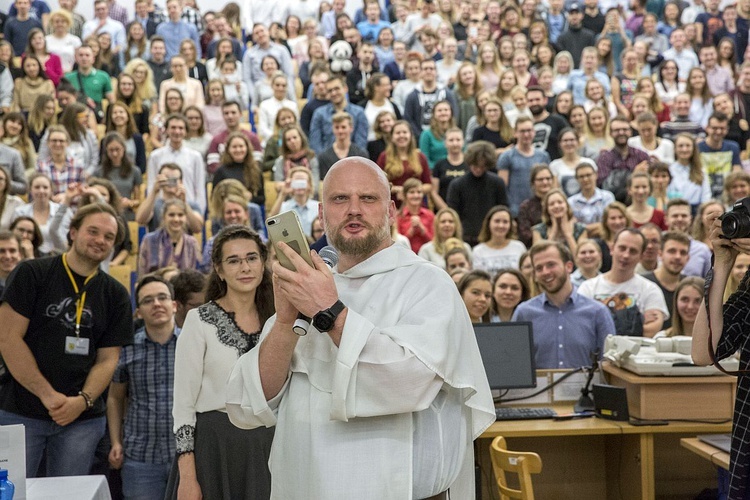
[87, 398]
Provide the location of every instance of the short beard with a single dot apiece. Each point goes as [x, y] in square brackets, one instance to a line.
[357, 247]
[554, 287]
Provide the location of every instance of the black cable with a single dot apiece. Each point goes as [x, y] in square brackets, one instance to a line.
[716, 421]
[543, 389]
[696, 421]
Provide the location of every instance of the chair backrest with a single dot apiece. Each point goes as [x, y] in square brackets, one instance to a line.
[521, 463]
[122, 274]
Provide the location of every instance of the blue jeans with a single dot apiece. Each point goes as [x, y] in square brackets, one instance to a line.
[70, 449]
[144, 481]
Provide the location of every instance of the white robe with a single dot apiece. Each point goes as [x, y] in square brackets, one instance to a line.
[389, 414]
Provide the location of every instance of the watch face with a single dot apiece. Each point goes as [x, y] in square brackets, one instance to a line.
[323, 321]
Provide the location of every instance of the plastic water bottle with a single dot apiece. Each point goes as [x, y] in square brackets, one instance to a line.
[6, 487]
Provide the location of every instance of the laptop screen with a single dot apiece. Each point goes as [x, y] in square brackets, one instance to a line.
[507, 351]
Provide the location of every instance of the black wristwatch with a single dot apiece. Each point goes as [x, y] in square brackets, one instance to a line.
[324, 320]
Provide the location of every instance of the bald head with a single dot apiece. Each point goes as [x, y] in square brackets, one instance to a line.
[357, 210]
[356, 163]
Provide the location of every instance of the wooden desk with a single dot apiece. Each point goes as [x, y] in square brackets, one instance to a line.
[601, 459]
[714, 455]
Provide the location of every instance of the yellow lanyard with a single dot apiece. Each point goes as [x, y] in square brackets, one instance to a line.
[80, 297]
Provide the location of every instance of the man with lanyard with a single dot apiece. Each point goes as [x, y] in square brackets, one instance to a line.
[64, 323]
[388, 365]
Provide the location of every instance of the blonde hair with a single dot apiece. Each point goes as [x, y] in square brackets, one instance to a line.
[394, 167]
[223, 191]
[147, 90]
[441, 246]
[61, 13]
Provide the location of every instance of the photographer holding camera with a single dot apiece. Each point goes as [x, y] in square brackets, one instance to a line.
[169, 184]
[730, 236]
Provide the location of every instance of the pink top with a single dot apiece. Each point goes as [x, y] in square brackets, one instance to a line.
[53, 68]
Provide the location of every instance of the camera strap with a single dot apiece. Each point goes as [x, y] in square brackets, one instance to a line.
[711, 352]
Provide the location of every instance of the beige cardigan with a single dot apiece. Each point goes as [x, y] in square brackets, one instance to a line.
[25, 93]
[193, 95]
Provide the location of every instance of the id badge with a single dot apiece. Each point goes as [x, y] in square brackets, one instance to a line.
[76, 345]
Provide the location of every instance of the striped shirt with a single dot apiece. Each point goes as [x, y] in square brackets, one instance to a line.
[148, 369]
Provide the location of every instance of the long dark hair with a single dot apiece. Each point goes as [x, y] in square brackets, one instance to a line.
[525, 288]
[471, 277]
[32, 57]
[129, 126]
[126, 167]
[251, 174]
[38, 239]
[216, 288]
[6, 190]
[69, 120]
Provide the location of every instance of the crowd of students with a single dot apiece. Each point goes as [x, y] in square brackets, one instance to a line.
[500, 125]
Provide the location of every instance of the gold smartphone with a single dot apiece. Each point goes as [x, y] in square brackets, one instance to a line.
[286, 227]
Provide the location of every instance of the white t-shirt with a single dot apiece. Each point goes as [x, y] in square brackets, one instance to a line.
[620, 298]
[372, 111]
[445, 72]
[664, 152]
[64, 48]
[566, 176]
[492, 260]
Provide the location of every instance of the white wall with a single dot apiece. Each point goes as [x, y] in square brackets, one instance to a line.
[86, 7]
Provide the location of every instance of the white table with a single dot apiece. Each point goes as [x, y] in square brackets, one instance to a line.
[68, 488]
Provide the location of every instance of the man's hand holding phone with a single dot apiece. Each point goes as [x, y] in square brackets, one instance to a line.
[308, 290]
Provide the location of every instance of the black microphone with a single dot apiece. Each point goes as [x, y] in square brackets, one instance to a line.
[585, 403]
[331, 257]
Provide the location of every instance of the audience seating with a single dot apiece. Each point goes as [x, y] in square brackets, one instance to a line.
[122, 273]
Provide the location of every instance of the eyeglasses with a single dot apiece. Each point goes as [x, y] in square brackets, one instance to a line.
[235, 262]
[543, 179]
[150, 299]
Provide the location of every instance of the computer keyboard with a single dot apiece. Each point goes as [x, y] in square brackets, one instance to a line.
[512, 413]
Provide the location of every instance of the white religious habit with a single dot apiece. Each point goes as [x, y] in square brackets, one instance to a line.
[389, 414]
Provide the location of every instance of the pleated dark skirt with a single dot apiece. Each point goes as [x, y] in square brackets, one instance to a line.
[231, 463]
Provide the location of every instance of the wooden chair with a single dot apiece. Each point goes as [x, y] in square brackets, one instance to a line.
[522, 463]
[135, 237]
[122, 274]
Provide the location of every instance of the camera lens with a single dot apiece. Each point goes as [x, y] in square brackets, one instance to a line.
[736, 225]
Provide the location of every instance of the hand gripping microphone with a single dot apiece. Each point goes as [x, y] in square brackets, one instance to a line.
[331, 257]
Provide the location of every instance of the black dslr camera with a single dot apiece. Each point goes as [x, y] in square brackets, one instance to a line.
[736, 222]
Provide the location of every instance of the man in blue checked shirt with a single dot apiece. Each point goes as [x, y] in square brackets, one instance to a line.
[567, 325]
[144, 446]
